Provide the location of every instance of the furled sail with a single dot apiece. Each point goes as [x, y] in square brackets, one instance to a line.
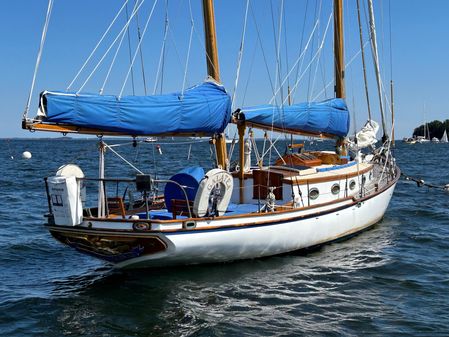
[330, 117]
[205, 108]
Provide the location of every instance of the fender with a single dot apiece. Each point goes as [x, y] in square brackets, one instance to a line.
[215, 178]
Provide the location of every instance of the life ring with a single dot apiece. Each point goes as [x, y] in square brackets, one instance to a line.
[215, 188]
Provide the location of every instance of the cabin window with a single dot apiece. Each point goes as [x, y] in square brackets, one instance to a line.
[335, 189]
[363, 180]
[314, 193]
[371, 175]
[352, 185]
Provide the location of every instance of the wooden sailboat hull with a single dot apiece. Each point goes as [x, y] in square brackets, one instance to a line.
[227, 239]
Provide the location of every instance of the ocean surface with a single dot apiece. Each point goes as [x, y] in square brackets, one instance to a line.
[391, 280]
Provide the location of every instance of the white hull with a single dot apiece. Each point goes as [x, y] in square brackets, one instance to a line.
[235, 238]
[208, 246]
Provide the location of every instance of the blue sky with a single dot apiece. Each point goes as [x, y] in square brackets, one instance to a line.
[420, 53]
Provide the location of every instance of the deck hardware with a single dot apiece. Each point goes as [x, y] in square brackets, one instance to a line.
[141, 226]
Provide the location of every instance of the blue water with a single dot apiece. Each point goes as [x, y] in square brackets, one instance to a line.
[393, 279]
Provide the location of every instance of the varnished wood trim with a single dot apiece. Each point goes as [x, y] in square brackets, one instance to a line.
[302, 181]
[66, 128]
[291, 131]
[257, 223]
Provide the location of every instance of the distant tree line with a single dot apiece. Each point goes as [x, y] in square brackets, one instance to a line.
[435, 129]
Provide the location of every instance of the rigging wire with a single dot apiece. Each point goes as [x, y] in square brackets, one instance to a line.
[277, 46]
[391, 44]
[110, 47]
[277, 76]
[391, 74]
[250, 72]
[123, 158]
[113, 62]
[299, 68]
[192, 25]
[300, 58]
[311, 89]
[347, 65]
[138, 46]
[286, 54]
[262, 49]
[129, 51]
[363, 60]
[98, 44]
[240, 55]
[318, 16]
[316, 54]
[376, 66]
[160, 67]
[39, 57]
[139, 36]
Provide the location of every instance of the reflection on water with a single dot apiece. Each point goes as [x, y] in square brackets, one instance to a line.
[315, 292]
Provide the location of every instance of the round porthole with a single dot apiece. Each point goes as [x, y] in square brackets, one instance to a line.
[352, 185]
[335, 189]
[314, 193]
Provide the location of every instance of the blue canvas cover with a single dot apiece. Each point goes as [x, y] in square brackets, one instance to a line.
[330, 117]
[205, 108]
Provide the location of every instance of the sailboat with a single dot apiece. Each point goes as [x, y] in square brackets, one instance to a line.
[302, 200]
[444, 137]
[426, 137]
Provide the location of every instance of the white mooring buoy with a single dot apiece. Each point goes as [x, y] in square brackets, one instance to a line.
[26, 155]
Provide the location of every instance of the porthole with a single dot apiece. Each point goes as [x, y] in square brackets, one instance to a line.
[314, 193]
[352, 185]
[335, 189]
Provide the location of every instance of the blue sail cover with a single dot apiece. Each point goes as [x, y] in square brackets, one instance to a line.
[330, 117]
[205, 108]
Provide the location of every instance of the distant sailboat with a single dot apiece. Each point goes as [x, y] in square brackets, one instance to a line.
[444, 138]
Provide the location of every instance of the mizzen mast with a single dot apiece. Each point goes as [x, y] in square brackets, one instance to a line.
[213, 69]
[339, 50]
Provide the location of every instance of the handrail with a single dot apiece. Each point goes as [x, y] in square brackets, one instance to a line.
[154, 180]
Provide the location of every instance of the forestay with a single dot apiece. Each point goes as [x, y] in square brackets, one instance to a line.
[205, 108]
[329, 117]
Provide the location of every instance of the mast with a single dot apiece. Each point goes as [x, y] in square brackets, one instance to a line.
[213, 70]
[339, 63]
[339, 50]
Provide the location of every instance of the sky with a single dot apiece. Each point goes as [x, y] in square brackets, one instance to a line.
[419, 34]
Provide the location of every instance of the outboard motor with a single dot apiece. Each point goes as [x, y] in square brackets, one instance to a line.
[67, 195]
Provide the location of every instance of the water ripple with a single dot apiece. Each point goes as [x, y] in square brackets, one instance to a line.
[390, 280]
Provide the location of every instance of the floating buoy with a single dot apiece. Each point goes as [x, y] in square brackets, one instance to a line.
[12, 157]
[158, 147]
[26, 155]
